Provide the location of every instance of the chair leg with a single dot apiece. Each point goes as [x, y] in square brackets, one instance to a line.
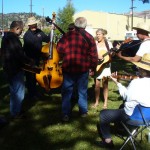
[126, 141]
[130, 137]
[132, 141]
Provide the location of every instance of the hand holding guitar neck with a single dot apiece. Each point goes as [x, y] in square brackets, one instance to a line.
[118, 46]
[115, 77]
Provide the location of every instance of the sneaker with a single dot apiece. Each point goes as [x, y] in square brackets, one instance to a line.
[65, 118]
[84, 115]
[103, 144]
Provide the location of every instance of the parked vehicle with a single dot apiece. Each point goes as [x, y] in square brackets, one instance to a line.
[131, 34]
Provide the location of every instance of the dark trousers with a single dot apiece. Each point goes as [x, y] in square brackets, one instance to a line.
[31, 80]
[31, 83]
[110, 116]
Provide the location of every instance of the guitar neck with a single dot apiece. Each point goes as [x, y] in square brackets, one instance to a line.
[108, 52]
[105, 54]
[32, 69]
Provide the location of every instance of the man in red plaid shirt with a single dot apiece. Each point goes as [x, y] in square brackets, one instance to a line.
[78, 51]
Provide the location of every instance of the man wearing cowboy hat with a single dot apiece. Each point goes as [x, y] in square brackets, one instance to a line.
[133, 95]
[143, 31]
[33, 39]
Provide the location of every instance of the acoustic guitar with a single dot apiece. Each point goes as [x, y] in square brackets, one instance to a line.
[107, 56]
[106, 59]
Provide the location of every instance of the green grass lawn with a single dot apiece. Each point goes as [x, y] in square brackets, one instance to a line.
[43, 129]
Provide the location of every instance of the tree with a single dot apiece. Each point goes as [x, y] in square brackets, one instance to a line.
[65, 16]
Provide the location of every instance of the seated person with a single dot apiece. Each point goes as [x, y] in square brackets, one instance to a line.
[133, 95]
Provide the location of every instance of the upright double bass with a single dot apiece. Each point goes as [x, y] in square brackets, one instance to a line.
[51, 75]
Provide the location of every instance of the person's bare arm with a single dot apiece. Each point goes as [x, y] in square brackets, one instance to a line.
[136, 58]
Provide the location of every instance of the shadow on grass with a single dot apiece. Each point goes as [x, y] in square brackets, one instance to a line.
[43, 130]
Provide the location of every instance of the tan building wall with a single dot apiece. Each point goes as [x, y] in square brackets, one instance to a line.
[115, 24]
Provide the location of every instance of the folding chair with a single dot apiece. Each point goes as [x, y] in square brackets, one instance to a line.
[138, 122]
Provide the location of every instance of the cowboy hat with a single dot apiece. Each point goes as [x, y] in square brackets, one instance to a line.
[142, 26]
[32, 20]
[144, 62]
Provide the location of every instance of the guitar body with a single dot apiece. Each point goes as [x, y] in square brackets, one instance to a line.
[51, 75]
[102, 63]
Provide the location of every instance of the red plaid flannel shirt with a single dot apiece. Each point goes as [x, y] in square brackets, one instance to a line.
[78, 55]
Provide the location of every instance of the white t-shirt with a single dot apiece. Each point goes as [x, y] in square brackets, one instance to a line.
[144, 47]
[138, 92]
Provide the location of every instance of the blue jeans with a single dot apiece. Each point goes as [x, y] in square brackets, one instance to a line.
[110, 116]
[81, 81]
[17, 91]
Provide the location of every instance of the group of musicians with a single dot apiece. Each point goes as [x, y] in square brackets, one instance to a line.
[81, 54]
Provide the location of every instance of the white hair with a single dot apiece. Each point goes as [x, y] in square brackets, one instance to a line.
[81, 22]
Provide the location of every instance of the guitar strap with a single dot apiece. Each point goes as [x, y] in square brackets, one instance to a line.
[84, 36]
[108, 49]
[107, 45]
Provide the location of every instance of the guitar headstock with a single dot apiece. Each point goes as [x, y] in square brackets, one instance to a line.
[48, 19]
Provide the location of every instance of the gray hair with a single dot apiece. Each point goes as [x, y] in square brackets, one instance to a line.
[103, 31]
[81, 22]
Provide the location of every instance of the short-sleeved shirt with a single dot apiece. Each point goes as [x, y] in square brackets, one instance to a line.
[144, 47]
